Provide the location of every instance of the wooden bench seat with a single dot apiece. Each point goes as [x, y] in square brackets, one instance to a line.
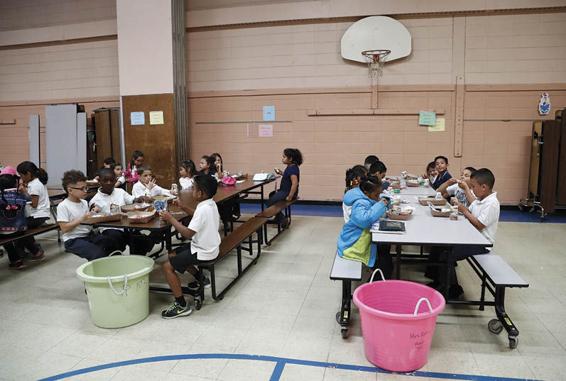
[234, 240]
[4, 239]
[347, 271]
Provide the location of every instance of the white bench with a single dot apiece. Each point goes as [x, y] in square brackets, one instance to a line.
[347, 271]
[496, 275]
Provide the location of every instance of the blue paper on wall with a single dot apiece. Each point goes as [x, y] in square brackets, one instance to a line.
[427, 118]
[268, 113]
[137, 118]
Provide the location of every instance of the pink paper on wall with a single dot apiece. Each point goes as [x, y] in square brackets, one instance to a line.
[265, 130]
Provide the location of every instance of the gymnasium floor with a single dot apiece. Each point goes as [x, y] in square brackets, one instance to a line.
[283, 313]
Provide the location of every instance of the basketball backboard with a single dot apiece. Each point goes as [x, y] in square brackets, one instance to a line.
[376, 32]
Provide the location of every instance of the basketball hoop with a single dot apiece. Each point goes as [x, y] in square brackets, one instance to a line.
[375, 60]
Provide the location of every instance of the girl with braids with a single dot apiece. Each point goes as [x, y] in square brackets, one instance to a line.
[368, 206]
[354, 176]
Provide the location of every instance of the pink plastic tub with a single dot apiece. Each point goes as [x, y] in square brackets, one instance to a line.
[398, 321]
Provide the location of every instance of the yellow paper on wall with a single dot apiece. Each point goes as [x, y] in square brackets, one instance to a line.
[156, 117]
[438, 126]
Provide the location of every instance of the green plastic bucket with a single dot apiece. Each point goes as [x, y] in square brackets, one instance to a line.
[117, 289]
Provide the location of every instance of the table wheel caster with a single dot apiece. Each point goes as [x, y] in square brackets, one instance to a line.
[513, 342]
[198, 303]
[495, 326]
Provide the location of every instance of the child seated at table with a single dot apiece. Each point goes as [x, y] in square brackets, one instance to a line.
[107, 198]
[430, 173]
[459, 188]
[38, 211]
[187, 172]
[204, 246]
[368, 206]
[131, 172]
[483, 214]
[230, 209]
[369, 160]
[379, 170]
[207, 166]
[71, 212]
[120, 178]
[354, 177]
[441, 164]
[218, 165]
[146, 186]
[289, 185]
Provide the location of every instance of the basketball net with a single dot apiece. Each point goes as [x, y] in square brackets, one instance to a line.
[375, 60]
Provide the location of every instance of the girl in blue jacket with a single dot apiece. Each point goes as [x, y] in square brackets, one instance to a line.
[368, 207]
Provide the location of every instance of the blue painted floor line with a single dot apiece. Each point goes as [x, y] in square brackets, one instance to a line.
[280, 363]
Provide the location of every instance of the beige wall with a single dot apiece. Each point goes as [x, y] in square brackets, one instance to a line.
[145, 44]
[62, 71]
[22, 14]
[298, 68]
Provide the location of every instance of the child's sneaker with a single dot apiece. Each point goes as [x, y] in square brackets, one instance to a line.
[18, 265]
[206, 281]
[176, 310]
[194, 286]
[40, 255]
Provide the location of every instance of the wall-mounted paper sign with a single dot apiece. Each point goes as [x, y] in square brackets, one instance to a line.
[427, 118]
[268, 113]
[265, 130]
[438, 126]
[156, 117]
[137, 118]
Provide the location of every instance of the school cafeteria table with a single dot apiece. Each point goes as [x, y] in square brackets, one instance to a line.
[418, 191]
[422, 229]
[227, 192]
[155, 225]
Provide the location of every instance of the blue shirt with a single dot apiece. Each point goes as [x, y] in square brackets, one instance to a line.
[285, 185]
[441, 179]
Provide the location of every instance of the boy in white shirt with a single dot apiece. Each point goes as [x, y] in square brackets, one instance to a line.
[483, 214]
[146, 186]
[71, 212]
[203, 229]
[108, 197]
[459, 188]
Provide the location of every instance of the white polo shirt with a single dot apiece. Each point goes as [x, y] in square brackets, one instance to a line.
[37, 188]
[140, 189]
[186, 182]
[118, 197]
[205, 222]
[68, 211]
[455, 191]
[487, 212]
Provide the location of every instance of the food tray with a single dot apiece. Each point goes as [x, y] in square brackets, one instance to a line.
[139, 207]
[102, 217]
[412, 183]
[395, 184]
[439, 212]
[424, 201]
[140, 217]
[399, 216]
